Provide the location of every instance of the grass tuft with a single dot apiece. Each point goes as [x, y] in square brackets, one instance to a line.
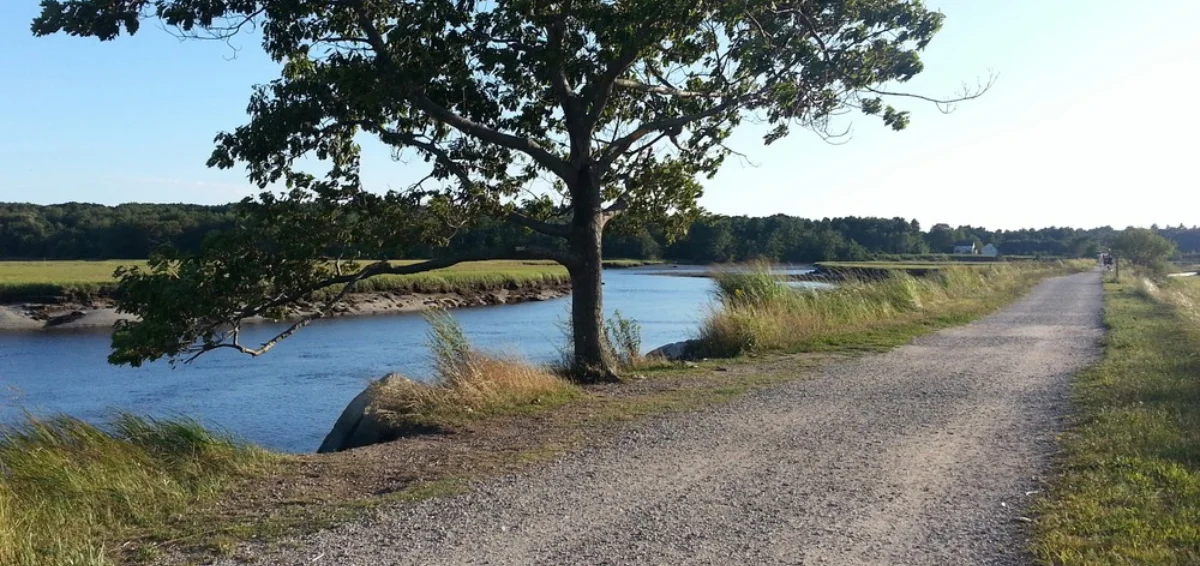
[68, 489]
[468, 385]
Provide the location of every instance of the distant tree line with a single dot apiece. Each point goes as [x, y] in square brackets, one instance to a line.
[92, 231]
[131, 231]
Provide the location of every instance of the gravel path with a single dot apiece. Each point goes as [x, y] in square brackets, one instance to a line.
[923, 455]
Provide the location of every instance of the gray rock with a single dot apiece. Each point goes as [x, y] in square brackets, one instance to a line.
[674, 351]
[359, 424]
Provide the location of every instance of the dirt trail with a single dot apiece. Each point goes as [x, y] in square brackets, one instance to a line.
[923, 455]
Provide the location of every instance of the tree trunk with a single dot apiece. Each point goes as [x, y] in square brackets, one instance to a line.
[592, 361]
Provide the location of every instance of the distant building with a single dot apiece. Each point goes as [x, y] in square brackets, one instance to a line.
[966, 248]
[990, 250]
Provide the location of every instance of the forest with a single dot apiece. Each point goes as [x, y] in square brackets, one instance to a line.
[133, 231]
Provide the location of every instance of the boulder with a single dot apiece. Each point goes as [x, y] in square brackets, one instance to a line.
[674, 351]
[359, 424]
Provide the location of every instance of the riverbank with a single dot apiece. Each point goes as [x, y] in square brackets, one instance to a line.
[101, 313]
[78, 294]
[303, 493]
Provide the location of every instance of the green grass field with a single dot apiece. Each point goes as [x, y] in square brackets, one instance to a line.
[42, 280]
[1129, 487]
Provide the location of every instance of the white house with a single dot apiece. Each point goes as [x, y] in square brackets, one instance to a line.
[990, 250]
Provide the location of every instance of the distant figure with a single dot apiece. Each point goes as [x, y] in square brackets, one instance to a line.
[1108, 262]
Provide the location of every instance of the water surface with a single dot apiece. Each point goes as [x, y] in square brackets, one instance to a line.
[289, 398]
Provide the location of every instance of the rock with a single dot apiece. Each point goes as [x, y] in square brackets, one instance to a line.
[65, 318]
[358, 424]
[674, 351]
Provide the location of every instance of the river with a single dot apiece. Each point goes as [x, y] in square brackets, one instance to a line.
[289, 398]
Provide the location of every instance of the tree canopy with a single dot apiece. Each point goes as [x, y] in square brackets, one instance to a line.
[555, 115]
[1143, 247]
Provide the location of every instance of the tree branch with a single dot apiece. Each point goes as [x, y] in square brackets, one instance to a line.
[348, 281]
[621, 145]
[665, 90]
[573, 113]
[598, 93]
[419, 99]
[616, 208]
[547, 228]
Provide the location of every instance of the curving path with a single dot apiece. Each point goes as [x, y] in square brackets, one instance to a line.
[922, 455]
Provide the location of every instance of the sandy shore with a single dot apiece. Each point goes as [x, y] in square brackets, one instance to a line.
[102, 313]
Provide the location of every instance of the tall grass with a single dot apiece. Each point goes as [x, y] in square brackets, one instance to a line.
[468, 384]
[71, 492]
[756, 312]
[622, 342]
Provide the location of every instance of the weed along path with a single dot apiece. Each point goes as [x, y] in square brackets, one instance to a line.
[923, 455]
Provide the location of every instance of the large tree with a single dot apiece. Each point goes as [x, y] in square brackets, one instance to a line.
[594, 107]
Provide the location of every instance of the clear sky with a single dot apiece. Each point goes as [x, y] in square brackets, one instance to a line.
[1091, 122]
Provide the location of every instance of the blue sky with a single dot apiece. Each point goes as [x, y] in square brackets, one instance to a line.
[1090, 123]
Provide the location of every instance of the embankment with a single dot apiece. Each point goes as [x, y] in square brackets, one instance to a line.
[80, 294]
[101, 312]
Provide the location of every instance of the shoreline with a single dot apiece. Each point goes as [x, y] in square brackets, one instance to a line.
[100, 313]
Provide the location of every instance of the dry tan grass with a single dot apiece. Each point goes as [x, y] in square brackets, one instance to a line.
[467, 384]
[476, 385]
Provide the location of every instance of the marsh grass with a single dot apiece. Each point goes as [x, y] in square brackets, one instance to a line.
[622, 338]
[42, 280]
[467, 385]
[1128, 491]
[757, 313]
[69, 490]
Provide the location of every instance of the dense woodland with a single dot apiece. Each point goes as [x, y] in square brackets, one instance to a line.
[89, 231]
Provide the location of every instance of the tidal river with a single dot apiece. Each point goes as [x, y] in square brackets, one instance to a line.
[289, 398]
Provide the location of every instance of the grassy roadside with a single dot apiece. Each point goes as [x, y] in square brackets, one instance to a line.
[1129, 488]
[760, 314]
[500, 433]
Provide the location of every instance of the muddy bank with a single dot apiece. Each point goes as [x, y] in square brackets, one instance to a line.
[100, 313]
